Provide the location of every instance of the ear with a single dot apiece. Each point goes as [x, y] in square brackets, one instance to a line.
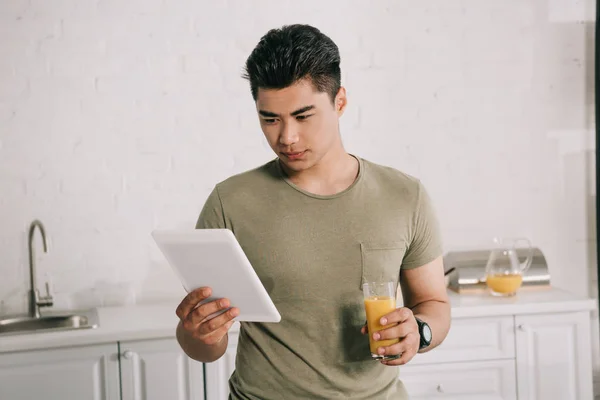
[341, 101]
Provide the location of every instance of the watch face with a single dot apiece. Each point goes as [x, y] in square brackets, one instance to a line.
[426, 333]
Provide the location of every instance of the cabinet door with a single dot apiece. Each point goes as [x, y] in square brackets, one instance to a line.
[554, 356]
[218, 372]
[474, 339]
[87, 372]
[477, 380]
[158, 369]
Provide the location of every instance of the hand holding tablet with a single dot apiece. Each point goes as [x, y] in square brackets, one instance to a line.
[213, 259]
[197, 321]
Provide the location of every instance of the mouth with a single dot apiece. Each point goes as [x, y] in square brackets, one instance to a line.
[295, 155]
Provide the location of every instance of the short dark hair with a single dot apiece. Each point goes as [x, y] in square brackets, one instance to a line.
[285, 55]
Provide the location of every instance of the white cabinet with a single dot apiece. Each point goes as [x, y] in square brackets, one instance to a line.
[158, 369]
[475, 361]
[218, 372]
[480, 380]
[551, 352]
[538, 356]
[554, 356]
[88, 372]
[154, 369]
[471, 339]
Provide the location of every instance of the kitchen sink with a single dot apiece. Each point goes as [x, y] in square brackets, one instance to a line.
[50, 322]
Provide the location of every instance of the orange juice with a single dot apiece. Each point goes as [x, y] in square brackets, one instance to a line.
[376, 307]
[504, 284]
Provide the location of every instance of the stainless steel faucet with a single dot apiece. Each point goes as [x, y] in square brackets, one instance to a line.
[35, 301]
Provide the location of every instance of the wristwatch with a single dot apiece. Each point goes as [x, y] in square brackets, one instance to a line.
[425, 333]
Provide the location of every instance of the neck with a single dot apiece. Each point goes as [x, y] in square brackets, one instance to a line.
[335, 172]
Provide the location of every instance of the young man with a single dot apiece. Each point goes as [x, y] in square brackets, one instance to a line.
[317, 222]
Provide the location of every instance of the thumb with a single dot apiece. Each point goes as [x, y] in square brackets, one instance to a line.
[364, 330]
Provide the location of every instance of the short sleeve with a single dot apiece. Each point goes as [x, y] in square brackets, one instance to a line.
[426, 243]
[212, 215]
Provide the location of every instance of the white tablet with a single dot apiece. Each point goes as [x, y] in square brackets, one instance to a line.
[214, 258]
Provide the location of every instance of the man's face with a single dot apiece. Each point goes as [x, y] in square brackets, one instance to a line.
[300, 123]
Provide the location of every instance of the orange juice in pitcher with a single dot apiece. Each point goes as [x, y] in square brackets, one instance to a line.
[504, 284]
[504, 271]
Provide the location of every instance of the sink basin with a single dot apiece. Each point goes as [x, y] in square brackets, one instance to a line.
[50, 322]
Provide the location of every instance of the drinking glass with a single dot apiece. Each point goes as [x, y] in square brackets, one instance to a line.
[380, 299]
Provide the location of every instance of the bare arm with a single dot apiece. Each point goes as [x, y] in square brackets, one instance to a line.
[424, 292]
[197, 350]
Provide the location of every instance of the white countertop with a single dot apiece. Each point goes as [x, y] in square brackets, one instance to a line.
[528, 300]
[159, 320]
[115, 324]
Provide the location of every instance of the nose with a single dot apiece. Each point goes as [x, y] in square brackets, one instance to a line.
[288, 135]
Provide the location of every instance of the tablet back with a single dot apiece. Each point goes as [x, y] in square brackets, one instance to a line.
[214, 258]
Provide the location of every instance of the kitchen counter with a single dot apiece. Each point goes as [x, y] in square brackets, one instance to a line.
[159, 320]
[115, 324]
[528, 300]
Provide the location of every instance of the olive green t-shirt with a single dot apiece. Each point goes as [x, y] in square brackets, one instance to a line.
[312, 254]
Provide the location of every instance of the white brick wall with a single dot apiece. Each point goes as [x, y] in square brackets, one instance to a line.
[118, 117]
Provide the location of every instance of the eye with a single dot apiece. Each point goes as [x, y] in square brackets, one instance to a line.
[303, 117]
[269, 121]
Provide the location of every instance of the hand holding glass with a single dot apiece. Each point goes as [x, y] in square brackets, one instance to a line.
[380, 300]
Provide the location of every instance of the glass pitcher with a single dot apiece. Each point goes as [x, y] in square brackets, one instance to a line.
[504, 271]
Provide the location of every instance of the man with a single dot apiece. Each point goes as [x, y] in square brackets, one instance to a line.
[317, 222]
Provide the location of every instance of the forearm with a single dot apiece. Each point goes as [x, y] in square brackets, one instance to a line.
[437, 315]
[199, 351]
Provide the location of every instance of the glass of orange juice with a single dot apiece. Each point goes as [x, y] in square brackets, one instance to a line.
[380, 299]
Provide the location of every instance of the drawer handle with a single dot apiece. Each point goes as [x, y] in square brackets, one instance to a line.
[522, 328]
[440, 389]
[128, 354]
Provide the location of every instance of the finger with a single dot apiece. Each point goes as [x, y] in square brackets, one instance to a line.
[395, 332]
[399, 315]
[191, 300]
[407, 348]
[201, 313]
[218, 335]
[392, 350]
[403, 359]
[365, 329]
[214, 324]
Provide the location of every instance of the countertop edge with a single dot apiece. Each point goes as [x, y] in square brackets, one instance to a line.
[62, 340]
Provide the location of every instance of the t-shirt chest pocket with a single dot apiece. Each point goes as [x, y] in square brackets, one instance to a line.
[381, 261]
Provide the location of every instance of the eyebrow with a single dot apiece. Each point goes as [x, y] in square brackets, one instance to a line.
[299, 111]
